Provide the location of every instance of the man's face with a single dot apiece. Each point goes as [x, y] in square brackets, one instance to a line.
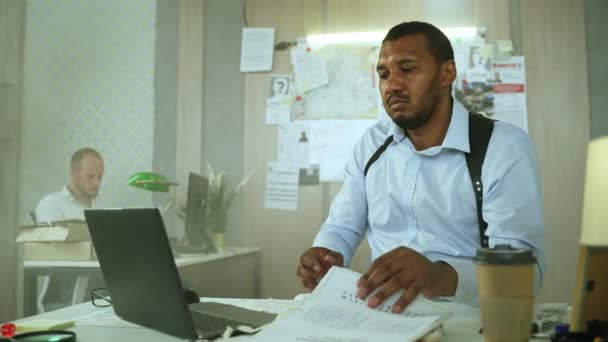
[87, 177]
[410, 80]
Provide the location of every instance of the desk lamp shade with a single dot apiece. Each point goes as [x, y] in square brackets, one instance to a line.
[150, 181]
[154, 182]
[594, 230]
[591, 290]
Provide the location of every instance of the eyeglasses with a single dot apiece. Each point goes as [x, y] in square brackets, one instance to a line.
[99, 297]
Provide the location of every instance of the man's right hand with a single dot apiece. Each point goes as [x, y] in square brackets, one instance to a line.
[315, 262]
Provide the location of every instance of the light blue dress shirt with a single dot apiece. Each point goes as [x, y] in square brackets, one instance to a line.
[424, 200]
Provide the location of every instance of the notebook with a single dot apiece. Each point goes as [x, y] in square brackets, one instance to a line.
[145, 288]
[334, 312]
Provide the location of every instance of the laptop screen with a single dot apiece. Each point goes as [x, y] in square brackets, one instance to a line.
[196, 214]
[138, 267]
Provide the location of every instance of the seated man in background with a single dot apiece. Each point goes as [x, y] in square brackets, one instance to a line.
[86, 172]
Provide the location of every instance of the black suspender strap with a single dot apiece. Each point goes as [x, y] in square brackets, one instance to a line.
[377, 154]
[480, 131]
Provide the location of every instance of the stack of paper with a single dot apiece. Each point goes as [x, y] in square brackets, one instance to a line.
[334, 313]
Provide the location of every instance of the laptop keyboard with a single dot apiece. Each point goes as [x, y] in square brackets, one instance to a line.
[211, 324]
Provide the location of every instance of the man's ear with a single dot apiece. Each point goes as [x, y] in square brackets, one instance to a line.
[448, 70]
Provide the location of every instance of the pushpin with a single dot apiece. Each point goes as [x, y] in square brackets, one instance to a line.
[8, 329]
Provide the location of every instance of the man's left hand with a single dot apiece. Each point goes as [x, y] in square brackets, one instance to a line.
[404, 268]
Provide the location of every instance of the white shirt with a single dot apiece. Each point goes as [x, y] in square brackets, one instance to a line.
[424, 200]
[60, 205]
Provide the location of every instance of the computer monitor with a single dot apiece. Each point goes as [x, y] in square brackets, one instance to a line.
[199, 238]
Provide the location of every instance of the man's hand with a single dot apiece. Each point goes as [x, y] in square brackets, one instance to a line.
[404, 268]
[315, 262]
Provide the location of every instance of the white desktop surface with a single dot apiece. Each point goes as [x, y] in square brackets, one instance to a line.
[238, 266]
[179, 261]
[462, 327]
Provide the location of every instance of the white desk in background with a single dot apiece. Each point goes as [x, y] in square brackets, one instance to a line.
[232, 272]
[462, 327]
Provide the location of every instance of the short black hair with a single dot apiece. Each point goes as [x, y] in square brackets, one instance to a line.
[78, 155]
[437, 41]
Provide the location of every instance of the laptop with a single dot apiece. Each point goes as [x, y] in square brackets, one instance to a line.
[139, 270]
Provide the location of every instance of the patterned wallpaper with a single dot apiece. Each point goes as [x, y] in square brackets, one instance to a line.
[89, 81]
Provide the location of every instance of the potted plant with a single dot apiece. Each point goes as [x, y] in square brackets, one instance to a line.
[219, 199]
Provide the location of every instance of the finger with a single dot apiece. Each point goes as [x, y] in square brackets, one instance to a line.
[380, 275]
[333, 259]
[305, 273]
[406, 298]
[377, 263]
[309, 284]
[310, 260]
[385, 291]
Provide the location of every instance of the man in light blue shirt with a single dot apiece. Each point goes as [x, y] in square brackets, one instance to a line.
[416, 203]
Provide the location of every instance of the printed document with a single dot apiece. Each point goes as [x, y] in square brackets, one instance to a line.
[334, 313]
[257, 48]
[281, 186]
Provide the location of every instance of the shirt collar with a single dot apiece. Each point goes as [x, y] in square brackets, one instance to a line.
[67, 193]
[457, 136]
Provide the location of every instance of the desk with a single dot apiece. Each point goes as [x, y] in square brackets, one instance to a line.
[232, 272]
[462, 327]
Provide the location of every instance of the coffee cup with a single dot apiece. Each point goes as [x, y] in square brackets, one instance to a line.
[505, 278]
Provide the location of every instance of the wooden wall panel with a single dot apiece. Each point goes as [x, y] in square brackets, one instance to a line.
[282, 235]
[553, 41]
[189, 92]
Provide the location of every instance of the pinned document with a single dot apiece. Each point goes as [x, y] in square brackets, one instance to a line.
[281, 186]
[278, 104]
[256, 49]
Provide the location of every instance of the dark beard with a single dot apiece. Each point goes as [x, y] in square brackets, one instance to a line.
[417, 121]
[428, 102]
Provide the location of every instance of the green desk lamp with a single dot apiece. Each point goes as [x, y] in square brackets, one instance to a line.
[154, 182]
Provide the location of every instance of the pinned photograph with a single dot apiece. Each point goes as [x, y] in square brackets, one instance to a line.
[278, 105]
[279, 88]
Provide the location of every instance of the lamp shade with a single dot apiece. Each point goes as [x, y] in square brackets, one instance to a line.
[595, 204]
[151, 181]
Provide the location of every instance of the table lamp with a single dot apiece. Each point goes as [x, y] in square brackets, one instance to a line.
[591, 290]
[154, 182]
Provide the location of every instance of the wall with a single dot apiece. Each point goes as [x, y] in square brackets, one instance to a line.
[596, 12]
[165, 94]
[12, 15]
[89, 73]
[554, 66]
[222, 132]
[553, 41]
